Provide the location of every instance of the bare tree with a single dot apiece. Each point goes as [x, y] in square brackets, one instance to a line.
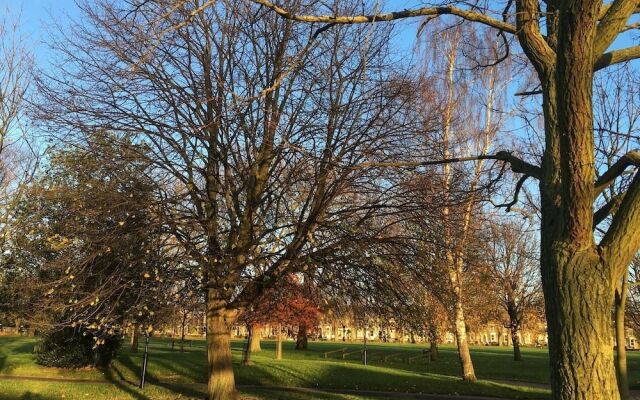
[513, 266]
[253, 155]
[579, 273]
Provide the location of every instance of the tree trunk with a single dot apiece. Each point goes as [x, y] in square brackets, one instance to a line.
[279, 343]
[579, 325]
[221, 385]
[302, 339]
[468, 373]
[246, 354]
[621, 352]
[433, 342]
[577, 281]
[459, 324]
[515, 340]
[134, 338]
[182, 339]
[433, 350]
[254, 338]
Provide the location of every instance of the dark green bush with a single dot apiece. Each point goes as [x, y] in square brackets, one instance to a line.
[71, 348]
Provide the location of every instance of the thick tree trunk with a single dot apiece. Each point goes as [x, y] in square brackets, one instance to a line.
[254, 338]
[577, 281]
[221, 385]
[279, 343]
[578, 308]
[621, 351]
[515, 340]
[302, 339]
[134, 338]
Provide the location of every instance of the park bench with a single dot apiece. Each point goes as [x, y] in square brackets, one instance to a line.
[326, 354]
[344, 355]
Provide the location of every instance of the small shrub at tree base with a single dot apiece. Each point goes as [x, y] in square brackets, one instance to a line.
[74, 348]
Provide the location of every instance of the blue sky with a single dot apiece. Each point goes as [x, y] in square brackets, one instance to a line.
[37, 15]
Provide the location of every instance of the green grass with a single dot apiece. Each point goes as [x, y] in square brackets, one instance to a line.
[175, 375]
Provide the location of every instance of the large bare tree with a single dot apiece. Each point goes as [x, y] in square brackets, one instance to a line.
[579, 271]
[252, 151]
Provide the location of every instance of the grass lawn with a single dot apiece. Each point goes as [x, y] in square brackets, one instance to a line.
[175, 375]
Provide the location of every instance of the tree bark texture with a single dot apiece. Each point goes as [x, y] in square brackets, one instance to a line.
[621, 351]
[254, 338]
[221, 385]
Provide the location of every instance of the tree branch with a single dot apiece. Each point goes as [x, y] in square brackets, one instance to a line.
[620, 243]
[516, 194]
[517, 165]
[531, 39]
[606, 210]
[629, 159]
[612, 23]
[392, 16]
[616, 57]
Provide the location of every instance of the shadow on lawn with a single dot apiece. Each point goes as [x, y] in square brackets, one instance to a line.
[30, 396]
[123, 384]
[188, 390]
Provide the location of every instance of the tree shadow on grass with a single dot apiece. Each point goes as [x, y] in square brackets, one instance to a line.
[32, 396]
[188, 390]
[125, 385]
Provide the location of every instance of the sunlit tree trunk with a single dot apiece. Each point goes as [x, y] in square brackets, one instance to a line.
[221, 385]
[254, 338]
[134, 338]
[621, 351]
[279, 343]
[577, 280]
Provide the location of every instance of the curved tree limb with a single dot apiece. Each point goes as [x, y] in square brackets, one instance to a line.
[616, 57]
[612, 23]
[531, 39]
[516, 194]
[517, 165]
[620, 243]
[629, 159]
[606, 210]
[392, 16]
